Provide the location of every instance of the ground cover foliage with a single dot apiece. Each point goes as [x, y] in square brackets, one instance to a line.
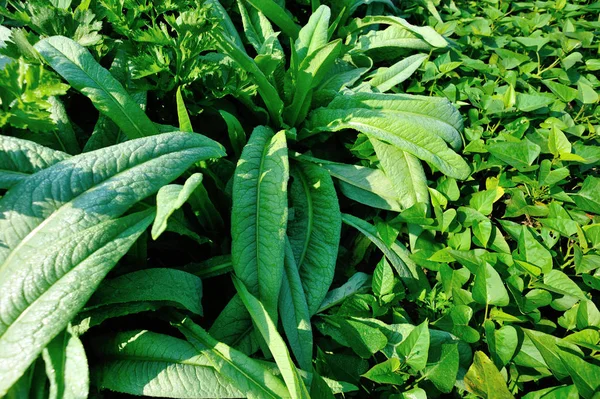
[260, 198]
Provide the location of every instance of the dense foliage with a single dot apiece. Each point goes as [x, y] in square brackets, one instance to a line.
[265, 199]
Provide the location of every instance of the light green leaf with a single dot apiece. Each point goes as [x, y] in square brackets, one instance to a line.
[20, 158]
[170, 198]
[74, 63]
[484, 380]
[73, 232]
[405, 173]
[418, 125]
[64, 130]
[276, 344]
[234, 327]
[278, 15]
[146, 363]
[247, 375]
[293, 309]
[386, 78]
[584, 374]
[415, 348]
[314, 232]
[237, 135]
[530, 250]
[386, 372]
[443, 370]
[519, 155]
[489, 288]
[383, 278]
[259, 215]
[157, 284]
[67, 367]
[588, 198]
[185, 125]
[314, 34]
[359, 282]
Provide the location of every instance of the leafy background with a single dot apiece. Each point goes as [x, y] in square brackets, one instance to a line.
[370, 258]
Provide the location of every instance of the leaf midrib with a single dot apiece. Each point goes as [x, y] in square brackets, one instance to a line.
[258, 213]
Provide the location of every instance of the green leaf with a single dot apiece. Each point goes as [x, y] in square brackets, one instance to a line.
[442, 368]
[64, 130]
[548, 347]
[396, 254]
[557, 281]
[488, 288]
[362, 338]
[74, 63]
[67, 367]
[565, 93]
[185, 125]
[278, 15]
[532, 102]
[170, 198]
[259, 215]
[405, 173]
[276, 344]
[456, 321]
[314, 34]
[386, 78]
[518, 155]
[87, 319]
[359, 282]
[502, 343]
[417, 125]
[584, 374]
[146, 363]
[294, 312]
[74, 232]
[484, 380]
[237, 135]
[178, 287]
[20, 158]
[383, 278]
[588, 198]
[234, 327]
[247, 375]
[530, 250]
[414, 349]
[386, 373]
[314, 232]
[309, 75]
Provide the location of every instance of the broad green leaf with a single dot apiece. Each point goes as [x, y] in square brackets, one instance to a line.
[276, 344]
[386, 372]
[413, 124]
[246, 374]
[74, 63]
[314, 232]
[319, 388]
[488, 288]
[220, 14]
[414, 349]
[588, 198]
[426, 33]
[548, 347]
[531, 102]
[294, 313]
[456, 321]
[278, 15]
[368, 186]
[78, 219]
[557, 281]
[565, 93]
[561, 392]
[383, 278]
[405, 173]
[146, 363]
[359, 282]
[364, 339]
[484, 380]
[396, 254]
[259, 215]
[314, 34]
[584, 374]
[502, 343]
[67, 367]
[386, 78]
[20, 158]
[530, 250]
[157, 284]
[519, 155]
[185, 125]
[170, 198]
[309, 75]
[442, 371]
[87, 319]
